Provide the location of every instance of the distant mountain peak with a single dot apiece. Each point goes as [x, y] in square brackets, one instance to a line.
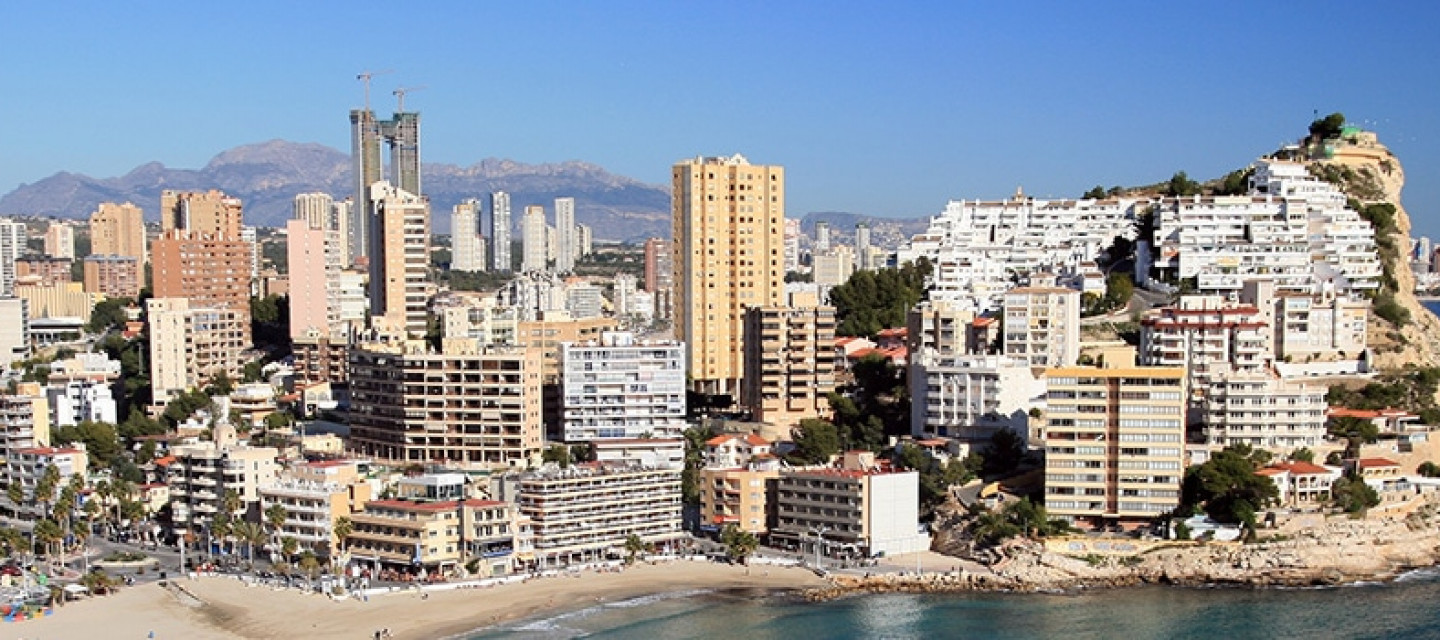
[267, 175]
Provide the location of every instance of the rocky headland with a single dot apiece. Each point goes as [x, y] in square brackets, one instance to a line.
[1308, 550]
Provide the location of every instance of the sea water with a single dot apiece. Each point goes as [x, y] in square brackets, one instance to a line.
[1406, 608]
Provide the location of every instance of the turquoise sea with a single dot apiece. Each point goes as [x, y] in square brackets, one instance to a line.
[1406, 608]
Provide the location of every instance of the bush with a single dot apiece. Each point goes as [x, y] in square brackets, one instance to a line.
[1389, 310]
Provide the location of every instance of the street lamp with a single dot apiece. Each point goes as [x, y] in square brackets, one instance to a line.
[819, 542]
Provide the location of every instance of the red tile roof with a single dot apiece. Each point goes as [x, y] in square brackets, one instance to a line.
[896, 332]
[1297, 467]
[165, 461]
[1371, 463]
[47, 451]
[1368, 414]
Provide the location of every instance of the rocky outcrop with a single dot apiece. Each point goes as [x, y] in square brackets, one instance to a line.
[1334, 550]
[1379, 177]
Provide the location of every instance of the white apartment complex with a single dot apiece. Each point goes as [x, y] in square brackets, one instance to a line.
[1207, 335]
[467, 247]
[971, 397]
[977, 247]
[1293, 229]
[586, 511]
[619, 387]
[1264, 412]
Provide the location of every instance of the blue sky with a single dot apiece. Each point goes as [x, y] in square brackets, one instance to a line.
[873, 109]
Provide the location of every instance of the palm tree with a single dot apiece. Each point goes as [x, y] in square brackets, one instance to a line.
[275, 518]
[220, 529]
[633, 547]
[81, 530]
[48, 533]
[251, 533]
[288, 547]
[309, 564]
[15, 493]
[45, 487]
[342, 529]
[13, 540]
[739, 545]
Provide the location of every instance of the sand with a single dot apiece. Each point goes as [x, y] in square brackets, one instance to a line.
[230, 609]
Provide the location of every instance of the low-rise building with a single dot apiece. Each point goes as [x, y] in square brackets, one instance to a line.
[971, 397]
[659, 453]
[315, 496]
[741, 496]
[78, 401]
[1301, 484]
[852, 511]
[25, 467]
[201, 474]
[588, 511]
[437, 536]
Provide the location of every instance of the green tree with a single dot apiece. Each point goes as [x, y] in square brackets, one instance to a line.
[1095, 193]
[1180, 185]
[1327, 127]
[1004, 453]
[275, 519]
[695, 438]
[1428, 469]
[1118, 290]
[1353, 495]
[108, 314]
[872, 300]
[251, 533]
[558, 454]
[1227, 488]
[816, 441]
[1348, 428]
[342, 528]
[739, 544]
[102, 442]
[634, 546]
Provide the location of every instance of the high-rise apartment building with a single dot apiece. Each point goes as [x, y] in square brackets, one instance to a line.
[862, 238]
[312, 255]
[729, 255]
[113, 276]
[1115, 442]
[315, 209]
[822, 237]
[209, 272]
[619, 387]
[660, 274]
[13, 238]
[789, 363]
[467, 247]
[465, 406]
[584, 241]
[1042, 325]
[118, 230]
[532, 239]
[210, 213]
[60, 241]
[1209, 336]
[402, 134]
[500, 232]
[190, 345]
[566, 247]
[342, 220]
[399, 260]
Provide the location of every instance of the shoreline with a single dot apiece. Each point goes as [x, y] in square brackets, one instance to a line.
[1313, 551]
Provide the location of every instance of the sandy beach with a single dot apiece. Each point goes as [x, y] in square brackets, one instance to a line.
[231, 609]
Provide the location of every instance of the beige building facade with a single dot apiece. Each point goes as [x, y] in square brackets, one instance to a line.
[466, 406]
[789, 363]
[118, 230]
[729, 254]
[1115, 442]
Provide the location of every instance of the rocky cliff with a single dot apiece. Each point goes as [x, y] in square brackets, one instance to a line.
[1375, 175]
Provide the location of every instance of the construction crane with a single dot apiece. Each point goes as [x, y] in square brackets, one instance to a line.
[400, 95]
[365, 77]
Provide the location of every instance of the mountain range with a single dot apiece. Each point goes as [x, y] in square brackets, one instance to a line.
[266, 176]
